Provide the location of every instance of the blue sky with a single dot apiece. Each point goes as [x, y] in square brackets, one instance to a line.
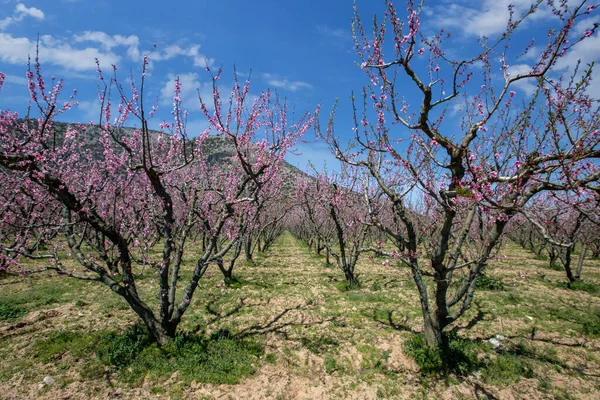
[303, 49]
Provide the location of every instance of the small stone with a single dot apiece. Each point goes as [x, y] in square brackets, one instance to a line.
[49, 381]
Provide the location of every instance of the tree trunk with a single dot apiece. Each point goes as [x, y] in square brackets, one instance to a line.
[248, 249]
[581, 259]
[350, 278]
[160, 332]
[566, 260]
[431, 331]
[227, 272]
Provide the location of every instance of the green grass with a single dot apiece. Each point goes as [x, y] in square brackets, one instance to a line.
[507, 368]
[302, 320]
[319, 344]
[457, 356]
[39, 296]
[131, 355]
[591, 327]
[56, 345]
[11, 312]
[488, 282]
[581, 285]
[219, 358]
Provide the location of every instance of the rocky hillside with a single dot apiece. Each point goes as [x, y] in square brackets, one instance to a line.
[217, 149]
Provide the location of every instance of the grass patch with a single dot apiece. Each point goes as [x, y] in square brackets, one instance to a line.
[456, 356]
[373, 358]
[11, 312]
[580, 285]
[367, 297]
[38, 296]
[58, 344]
[118, 350]
[507, 368]
[330, 365]
[345, 286]
[319, 344]
[235, 282]
[219, 359]
[487, 282]
[591, 327]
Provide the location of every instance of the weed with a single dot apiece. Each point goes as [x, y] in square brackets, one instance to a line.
[220, 358]
[580, 285]
[57, 344]
[11, 312]
[512, 299]
[271, 358]
[234, 282]
[38, 296]
[330, 365]
[319, 344]
[119, 350]
[366, 297]
[487, 282]
[454, 356]
[592, 327]
[92, 369]
[346, 286]
[373, 358]
[505, 368]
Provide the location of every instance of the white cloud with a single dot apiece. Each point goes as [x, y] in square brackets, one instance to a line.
[22, 11]
[484, 18]
[5, 22]
[336, 33]
[528, 86]
[172, 51]
[108, 42]
[190, 85]
[282, 83]
[587, 51]
[16, 50]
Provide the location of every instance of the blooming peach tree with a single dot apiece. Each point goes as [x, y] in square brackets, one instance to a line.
[93, 199]
[457, 149]
[331, 205]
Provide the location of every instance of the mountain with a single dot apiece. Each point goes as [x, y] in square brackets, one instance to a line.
[217, 149]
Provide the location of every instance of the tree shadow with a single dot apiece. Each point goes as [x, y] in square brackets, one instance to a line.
[276, 324]
[219, 315]
[389, 321]
[483, 393]
[476, 319]
[523, 351]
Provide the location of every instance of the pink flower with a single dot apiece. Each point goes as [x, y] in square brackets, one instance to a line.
[588, 33]
[437, 69]
[421, 50]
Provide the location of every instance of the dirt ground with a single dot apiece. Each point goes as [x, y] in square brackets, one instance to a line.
[321, 341]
